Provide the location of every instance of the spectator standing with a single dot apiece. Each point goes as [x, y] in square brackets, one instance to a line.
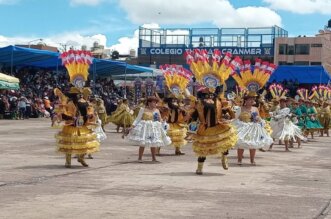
[28, 108]
[2, 107]
[47, 105]
[22, 107]
[13, 107]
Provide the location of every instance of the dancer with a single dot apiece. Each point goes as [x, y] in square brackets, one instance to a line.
[98, 130]
[176, 80]
[324, 117]
[323, 95]
[264, 111]
[147, 129]
[122, 117]
[76, 136]
[251, 130]
[214, 135]
[283, 128]
[101, 112]
[56, 116]
[141, 104]
[311, 121]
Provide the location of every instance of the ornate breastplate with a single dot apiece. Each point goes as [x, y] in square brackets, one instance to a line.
[147, 116]
[245, 117]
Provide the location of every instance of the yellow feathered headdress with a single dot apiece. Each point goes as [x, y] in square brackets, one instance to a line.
[277, 91]
[254, 81]
[303, 94]
[322, 93]
[176, 79]
[237, 96]
[211, 72]
[77, 62]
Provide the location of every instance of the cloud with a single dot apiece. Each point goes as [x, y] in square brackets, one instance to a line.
[85, 2]
[65, 39]
[125, 44]
[302, 6]
[219, 12]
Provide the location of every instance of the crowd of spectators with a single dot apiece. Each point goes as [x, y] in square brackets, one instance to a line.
[35, 97]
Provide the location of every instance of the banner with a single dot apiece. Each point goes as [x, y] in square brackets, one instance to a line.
[149, 85]
[159, 83]
[236, 51]
[137, 89]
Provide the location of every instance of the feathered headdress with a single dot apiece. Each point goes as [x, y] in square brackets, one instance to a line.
[238, 96]
[277, 91]
[240, 92]
[211, 71]
[77, 62]
[322, 93]
[303, 94]
[254, 81]
[176, 79]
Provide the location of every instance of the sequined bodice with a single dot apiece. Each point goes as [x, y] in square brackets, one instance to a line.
[245, 116]
[147, 116]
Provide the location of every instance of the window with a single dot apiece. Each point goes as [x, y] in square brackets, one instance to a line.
[282, 63]
[316, 45]
[282, 49]
[315, 63]
[302, 49]
[290, 50]
[301, 63]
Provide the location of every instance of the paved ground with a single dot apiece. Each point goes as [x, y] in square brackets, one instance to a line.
[34, 183]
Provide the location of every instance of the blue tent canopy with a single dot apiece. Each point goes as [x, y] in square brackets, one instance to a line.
[20, 56]
[302, 74]
[13, 55]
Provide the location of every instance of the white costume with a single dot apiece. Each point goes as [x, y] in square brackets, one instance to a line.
[251, 135]
[101, 135]
[148, 131]
[282, 126]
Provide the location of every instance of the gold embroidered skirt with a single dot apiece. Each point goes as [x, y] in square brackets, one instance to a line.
[214, 140]
[77, 140]
[177, 133]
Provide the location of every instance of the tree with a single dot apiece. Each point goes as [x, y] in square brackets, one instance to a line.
[115, 55]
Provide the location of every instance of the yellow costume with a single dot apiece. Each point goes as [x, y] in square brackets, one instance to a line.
[137, 108]
[176, 80]
[76, 136]
[121, 116]
[214, 136]
[177, 129]
[264, 113]
[323, 95]
[101, 111]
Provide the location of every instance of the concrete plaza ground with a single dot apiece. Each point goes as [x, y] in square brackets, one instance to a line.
[35, 184]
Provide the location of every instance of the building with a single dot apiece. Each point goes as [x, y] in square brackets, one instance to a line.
[167, 46]
[41, 46]
[99, 51]
[304, 50]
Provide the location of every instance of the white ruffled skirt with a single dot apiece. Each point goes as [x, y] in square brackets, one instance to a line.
[251, 135]
[148, 133]
[285, 130]
[101, 135]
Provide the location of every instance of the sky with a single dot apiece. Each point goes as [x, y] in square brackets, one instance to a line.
[114, 23]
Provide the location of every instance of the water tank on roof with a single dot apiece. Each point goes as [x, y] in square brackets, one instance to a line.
[132, 52]
[95, 44]
[329, 23]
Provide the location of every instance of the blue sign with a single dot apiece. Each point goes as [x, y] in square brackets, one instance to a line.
[236, 51]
